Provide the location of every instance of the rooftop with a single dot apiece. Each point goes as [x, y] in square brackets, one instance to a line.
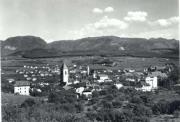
[22, 83]
[64, 66]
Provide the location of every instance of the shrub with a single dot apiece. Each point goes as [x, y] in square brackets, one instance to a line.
[107, 105]
[28, 103]
[136, 99]
[117, 104]
[162, 107]
[95, 94]
[69, 107]
[92, 115]
[176, 114]
[79, 107]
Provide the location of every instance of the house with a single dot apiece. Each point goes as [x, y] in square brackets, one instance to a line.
[87, 93]
[34, 79]
[80, 90]
[10, 80]
[102, 77]
[151, 84]
[118, 85]
[158, 74]
[152, 81]
[22, 87]
[76, 81]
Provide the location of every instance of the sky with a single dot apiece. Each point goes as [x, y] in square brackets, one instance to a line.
[55, 20]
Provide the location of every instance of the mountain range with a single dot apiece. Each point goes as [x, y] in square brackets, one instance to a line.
[36, 47]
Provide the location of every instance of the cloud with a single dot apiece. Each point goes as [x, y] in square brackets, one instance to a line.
[136, 16]
[165, 22]
[97, 11]
[109, 9]
[105, 26]
[107, 22]
[100, 11]
[168, 33]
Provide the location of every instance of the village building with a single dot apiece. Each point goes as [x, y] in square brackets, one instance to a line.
[87, 94]
[151, 84]
[22, 87]
[118, 85]
[102, 77]
[80, 90]
[152, 81]
[10, 80]
[158, 74]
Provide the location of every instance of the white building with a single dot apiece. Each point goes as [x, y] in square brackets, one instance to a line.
[10, 80]
[87, 94]
[80, 90]
[64, 73]
[152, 84]
[118, 85]
[102, 77]
[22, 87]
[76, 81]
[152, 81]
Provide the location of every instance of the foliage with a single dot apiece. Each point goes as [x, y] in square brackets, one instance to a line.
[28, 103]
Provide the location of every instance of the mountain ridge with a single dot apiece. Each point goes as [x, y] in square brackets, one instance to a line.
[29, 45]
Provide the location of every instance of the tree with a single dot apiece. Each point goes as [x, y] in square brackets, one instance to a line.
[53, 97]
[95, 94]
[79, 107]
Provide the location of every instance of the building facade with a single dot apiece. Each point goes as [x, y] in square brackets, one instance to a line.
[22, 87]
[152, 81]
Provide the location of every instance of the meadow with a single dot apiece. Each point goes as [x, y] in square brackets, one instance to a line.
[137, 63]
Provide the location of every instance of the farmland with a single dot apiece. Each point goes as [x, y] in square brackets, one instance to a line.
[10, 65]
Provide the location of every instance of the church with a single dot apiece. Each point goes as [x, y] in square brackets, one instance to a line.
[64, 74]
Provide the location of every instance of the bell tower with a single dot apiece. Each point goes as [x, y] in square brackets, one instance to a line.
[64, 74]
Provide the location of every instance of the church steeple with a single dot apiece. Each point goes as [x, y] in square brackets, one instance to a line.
[64, 73]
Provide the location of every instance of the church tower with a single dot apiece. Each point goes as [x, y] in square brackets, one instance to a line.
[88, 70]
[64, 73]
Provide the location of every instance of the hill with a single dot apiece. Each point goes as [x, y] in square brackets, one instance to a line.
[34, 47]
[111, 45]
[21, 43]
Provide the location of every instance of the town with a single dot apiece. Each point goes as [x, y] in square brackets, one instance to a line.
[84, 79]
[90, 89]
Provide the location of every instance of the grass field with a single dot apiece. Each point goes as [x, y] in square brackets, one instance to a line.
[7, 98]
[123, 62]
[164, 118]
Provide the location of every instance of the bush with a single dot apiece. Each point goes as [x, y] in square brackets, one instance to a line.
[114, 116]
[95, 94]
[117, 104]
[53, 97]
[79, 107]
[165, 107]
[141, 110]
[176, 114]
[28, 103]
[162, 107]
[91, 115]
[107, 105]
[62, 97]
[103, 92]
[136, 99]
[109, 97]
[69, 107]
